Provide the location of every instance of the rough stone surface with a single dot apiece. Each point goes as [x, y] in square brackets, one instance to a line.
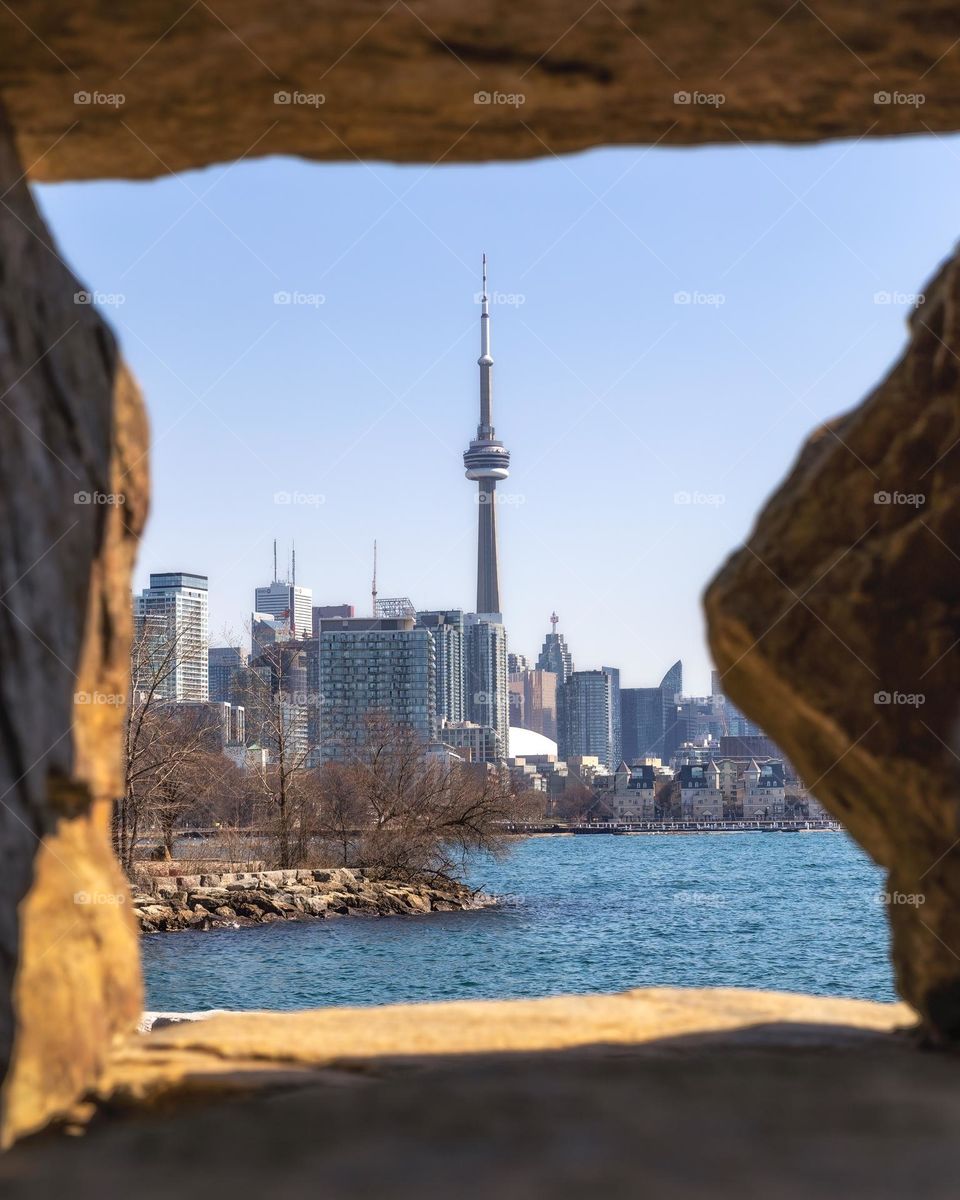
[838, 625]
[210, 902]
[398, 79]
[70, 422]
[651, 1093]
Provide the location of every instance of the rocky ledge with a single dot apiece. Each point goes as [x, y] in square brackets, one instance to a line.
[253, 898]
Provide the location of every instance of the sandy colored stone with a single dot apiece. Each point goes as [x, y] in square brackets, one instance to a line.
[666, 1093]
[398, 80]
[71, 422]
[237, 1048]
[838, 603]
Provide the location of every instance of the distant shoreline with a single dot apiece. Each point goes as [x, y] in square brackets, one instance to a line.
[672, 828]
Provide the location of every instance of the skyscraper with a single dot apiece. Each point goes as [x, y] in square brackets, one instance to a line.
[587, 726]
[554, 654]
[641, 711]
[374, 666]
[486, 680]
[486, 460]
[288, 601]
[171, 630]
[284, 599]
[485, 644]
[674, 727]
[446, 626]
[615, 714]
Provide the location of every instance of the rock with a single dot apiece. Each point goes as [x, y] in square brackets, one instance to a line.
[837, 631]
[71, 426]
[402, 86]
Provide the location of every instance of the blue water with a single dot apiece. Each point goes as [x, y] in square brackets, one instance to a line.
[795, 912]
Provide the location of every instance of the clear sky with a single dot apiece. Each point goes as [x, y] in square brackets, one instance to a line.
[611, 396]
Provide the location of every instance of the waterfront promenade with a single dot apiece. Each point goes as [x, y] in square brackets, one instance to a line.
[781, 825]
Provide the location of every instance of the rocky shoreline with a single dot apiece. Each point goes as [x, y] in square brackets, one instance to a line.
[235, 899]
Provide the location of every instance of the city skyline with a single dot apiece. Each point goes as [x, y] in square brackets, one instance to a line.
[365, 398]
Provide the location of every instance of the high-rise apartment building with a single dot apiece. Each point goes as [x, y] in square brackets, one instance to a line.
[486, 681]
[171, 626]
[446, 627]
[373, 666]
[587, 727]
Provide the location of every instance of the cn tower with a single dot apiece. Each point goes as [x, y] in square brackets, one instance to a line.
[486, 460]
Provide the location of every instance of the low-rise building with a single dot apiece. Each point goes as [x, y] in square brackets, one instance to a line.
[760, 791]
[630, 793]
[701, 798]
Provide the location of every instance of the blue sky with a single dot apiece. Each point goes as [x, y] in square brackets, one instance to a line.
[611, 395]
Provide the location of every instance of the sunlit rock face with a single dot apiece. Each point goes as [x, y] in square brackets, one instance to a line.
[838, 628]
[163, 86]
[72, 435]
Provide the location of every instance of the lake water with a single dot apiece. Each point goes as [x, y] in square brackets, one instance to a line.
[794, 912]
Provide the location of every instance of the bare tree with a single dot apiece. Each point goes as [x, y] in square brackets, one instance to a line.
[279, 713]
[418, 815]
[160, 744]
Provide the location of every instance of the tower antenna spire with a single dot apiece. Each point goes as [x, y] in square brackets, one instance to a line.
[293, 551]
[274, 560]
[373, 586]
